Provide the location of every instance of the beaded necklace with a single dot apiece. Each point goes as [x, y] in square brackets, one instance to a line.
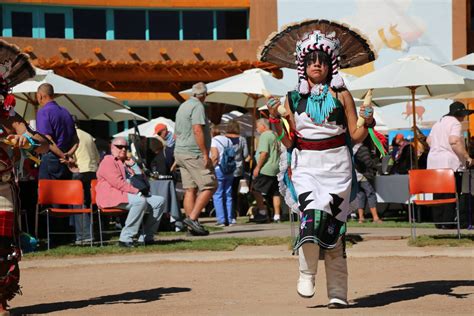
[320, 104]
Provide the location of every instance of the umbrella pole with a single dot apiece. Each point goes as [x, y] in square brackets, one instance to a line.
[415, 137]
[254, 117]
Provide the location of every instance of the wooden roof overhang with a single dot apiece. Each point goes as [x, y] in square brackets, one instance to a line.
[149, 76]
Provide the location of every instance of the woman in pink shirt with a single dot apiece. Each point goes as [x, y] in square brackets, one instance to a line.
[113, 190]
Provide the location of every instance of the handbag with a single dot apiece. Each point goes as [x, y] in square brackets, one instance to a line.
[138, 181]
[141, 183]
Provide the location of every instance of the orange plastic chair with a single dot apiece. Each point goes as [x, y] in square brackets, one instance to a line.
[60, 192]
[423, 181]
[105, 211]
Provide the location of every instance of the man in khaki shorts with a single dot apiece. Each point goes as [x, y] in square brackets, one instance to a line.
[193, 140]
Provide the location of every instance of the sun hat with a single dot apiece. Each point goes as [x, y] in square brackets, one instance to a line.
[459, 109]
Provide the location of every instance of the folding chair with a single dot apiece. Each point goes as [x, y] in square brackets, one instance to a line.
[105, 211]
[60, 192]
[423, 181]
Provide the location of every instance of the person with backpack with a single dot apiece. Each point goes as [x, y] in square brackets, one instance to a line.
[241, 156]
[223, 158]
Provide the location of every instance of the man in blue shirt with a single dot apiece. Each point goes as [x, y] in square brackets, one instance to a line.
[57, 124]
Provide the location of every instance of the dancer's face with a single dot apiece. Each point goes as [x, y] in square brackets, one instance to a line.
[318, 66]
[317, 71]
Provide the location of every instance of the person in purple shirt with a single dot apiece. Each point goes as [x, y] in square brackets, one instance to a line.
[57, 124]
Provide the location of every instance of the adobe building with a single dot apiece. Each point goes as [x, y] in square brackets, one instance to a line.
[144, 52]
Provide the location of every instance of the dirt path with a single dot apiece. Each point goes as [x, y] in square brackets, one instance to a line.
[430, 286]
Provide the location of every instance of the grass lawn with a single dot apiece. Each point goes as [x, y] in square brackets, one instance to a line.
[214, 244]
[388, 223]
[442, 241]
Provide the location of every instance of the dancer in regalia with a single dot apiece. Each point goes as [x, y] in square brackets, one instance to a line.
[14, 135]
[318, 125]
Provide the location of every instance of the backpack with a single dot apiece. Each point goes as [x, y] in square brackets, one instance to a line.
[227, 162]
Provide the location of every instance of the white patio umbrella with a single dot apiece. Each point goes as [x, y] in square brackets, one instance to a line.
[148, 129]
[464, 92]
[245, 122]
[467, 60]
[412, 74]
[119, 116]
[81, 101]
[245, 90]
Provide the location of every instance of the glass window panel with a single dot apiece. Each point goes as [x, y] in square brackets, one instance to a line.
[129, 24]
[55, 24]
[472, 17]
[232, 24]
[164, 25]
[167, 111]
[89, 23]
[1, 21]
[197, 25]
[22, 24]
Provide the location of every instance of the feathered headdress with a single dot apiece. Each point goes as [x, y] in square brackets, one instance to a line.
[15, 68]
[287, 48]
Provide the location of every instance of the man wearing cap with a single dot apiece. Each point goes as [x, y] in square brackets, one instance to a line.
[193, 140]
[447, 150]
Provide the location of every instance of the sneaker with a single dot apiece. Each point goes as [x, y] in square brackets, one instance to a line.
[195, 226]
[83, 242]
[336, 303]
[276, 221]
[220, 225]
[232, 222]
[126, 244]
[259, 218]
[191, 233]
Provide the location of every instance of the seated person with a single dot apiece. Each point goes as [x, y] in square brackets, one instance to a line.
[167, 138]
[113, 190]
[158, 163]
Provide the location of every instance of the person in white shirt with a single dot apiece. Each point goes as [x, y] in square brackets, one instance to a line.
[222, 198]
[447, 150]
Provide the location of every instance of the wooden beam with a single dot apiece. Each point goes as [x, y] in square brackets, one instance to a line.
[178, 97]
[141, 3]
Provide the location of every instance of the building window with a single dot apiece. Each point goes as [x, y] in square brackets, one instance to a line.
[197, 25]
[22, 24]
[1, 21]
[54, 24]
[89, 23]
[232, 24]
[164, 25]
[472, 17]
[129, 24]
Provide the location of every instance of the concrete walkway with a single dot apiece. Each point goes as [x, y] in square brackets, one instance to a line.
[376, 242]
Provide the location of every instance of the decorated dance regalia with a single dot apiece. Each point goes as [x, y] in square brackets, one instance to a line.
[317, 177]
[14, 69]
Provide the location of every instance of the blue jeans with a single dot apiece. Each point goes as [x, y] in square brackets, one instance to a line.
[222, 198]
[52, 168]
[82, 222]
[137, 206]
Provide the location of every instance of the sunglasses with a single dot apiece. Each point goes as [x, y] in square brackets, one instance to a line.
[121, 146]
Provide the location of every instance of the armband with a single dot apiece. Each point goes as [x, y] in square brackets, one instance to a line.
[31, 141]
[274, 120]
